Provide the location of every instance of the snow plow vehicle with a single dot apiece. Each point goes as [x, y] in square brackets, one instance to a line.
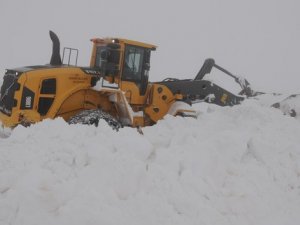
[115, 87]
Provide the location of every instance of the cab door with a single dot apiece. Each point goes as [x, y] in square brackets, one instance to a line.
[136, 67]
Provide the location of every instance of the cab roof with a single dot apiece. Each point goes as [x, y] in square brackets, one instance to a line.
[123, 41]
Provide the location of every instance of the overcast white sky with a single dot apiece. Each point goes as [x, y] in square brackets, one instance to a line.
[258, 39]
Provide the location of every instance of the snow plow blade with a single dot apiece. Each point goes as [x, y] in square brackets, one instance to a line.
[202, 90]
[199, 89]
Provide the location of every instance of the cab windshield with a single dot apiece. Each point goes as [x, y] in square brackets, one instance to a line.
[99, 59]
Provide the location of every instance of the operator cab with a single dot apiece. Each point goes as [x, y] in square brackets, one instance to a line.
[123, 59]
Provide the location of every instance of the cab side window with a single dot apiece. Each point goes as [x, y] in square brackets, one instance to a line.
[47, 95]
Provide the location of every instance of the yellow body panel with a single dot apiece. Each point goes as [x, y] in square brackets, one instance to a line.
[69, 80]
[131, 91]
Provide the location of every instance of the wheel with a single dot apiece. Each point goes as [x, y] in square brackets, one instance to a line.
[92, 117]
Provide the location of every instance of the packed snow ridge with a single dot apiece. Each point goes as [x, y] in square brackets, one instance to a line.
[232, 165]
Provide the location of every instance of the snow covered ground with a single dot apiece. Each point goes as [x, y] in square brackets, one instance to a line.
[232, 165]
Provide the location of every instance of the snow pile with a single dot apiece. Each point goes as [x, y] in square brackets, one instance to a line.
[233, 165]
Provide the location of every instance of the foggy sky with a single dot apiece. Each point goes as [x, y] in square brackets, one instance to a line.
[257, 39]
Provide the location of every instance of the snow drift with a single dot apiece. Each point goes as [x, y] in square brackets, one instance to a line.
[232, 165]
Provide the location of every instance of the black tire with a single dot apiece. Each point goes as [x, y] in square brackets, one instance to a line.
[92, 117]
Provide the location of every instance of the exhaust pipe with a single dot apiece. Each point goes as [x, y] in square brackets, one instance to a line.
[55, 58]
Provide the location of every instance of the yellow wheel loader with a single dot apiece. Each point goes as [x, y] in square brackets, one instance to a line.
[114, 87]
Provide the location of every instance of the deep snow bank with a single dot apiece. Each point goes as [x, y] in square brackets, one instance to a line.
[238, 165]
